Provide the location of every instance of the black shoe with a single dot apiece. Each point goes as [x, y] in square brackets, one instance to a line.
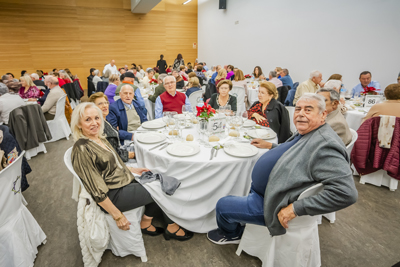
[158, 231]
[188, 235]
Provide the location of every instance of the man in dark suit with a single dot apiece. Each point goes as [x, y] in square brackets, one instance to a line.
[37, 81]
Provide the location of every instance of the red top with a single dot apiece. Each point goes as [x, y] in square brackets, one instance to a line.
[173, 103]
[66, 80]
[60, 82]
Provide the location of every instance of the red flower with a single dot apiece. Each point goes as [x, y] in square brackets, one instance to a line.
[369, 91]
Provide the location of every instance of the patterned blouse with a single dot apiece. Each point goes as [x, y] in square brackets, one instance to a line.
[258, 109]
[33, 92]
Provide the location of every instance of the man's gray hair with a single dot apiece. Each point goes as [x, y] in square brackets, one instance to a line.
[150, 70]
[168, 76]
[3, 89]
[96, 72]
[272, 73]
[126, 86]
[314, 74]
[4, 78]
[35, 75]
[314, 97]
[333, 94]
[162, 76]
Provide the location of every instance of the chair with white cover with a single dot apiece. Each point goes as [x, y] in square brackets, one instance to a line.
[298, 247]
[122, 243]
[291, 114]
[380, 178]
[116, 97]
[20, 234]
[239, 93]
[195, 97]
[59, 126]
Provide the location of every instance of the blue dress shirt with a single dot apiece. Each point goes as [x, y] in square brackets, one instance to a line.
[139, 98]
[358, 88]
[159, 106]
[212, 79]
[287, 81]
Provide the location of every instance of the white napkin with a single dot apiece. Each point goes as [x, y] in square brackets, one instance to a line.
[385, 132]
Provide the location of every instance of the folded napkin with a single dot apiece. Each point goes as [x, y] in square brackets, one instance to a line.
[168, 184]
[385, 132]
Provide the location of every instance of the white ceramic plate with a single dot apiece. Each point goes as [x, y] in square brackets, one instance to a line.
[154, 124]
[241, 150]
[150, 137]
[180, 116]
[180, 90]
[266, 133]
[249, 123]
[186, 149]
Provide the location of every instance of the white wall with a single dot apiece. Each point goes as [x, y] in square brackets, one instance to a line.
[342, 36]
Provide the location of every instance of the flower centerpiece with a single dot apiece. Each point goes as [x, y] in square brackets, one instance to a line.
[369, 91]
[205, 112]
[247, 76]
[153, 82]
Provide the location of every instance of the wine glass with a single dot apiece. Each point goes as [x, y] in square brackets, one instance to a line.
[185, 110]
[181, 123]
[165, 118]
[245, 116]
[171, 127]
[201, 126]
[173, 113]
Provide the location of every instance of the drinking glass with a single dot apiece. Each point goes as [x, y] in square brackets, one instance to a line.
[173, 113]
[245, 116]
[184, 110]
[171, 127]
[181, 123]
[201, 126]
[165, 118]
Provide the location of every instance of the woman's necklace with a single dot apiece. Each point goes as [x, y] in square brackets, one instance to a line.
[229, 98]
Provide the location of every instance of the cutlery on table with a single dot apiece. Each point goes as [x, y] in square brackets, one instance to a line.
[167, 144]
[157, 146]
[212, 153]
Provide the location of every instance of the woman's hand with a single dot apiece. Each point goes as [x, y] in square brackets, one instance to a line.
[131, 155]
[138, 170]
[258, 117]
[261, 143]
[123, 223]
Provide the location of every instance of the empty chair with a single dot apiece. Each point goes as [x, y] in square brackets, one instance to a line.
[195, 97]
[20, 234]
[59, 126]
[298, 247]
[239, 93]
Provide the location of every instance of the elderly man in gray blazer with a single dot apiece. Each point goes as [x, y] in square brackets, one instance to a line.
[335, 118]
[9, 100]
[314, 154]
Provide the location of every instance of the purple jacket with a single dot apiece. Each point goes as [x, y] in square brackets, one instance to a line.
[110, 92]
[228, 77]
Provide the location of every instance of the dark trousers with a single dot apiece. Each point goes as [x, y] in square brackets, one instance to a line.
[48, 116]
[133, 196]
[233, 212]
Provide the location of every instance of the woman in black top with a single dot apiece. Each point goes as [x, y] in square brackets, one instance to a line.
[162, 65]
[223, 98]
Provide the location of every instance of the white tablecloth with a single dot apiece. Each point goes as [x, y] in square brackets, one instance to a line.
[204, 182]
[354, 117]
[150, 106]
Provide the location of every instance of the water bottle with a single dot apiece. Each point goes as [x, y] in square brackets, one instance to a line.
[200, 102]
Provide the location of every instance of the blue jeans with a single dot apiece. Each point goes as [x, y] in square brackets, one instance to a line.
[233, 211]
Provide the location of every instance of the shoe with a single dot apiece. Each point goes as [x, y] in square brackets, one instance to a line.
[158, 231]
[188, 235]
[217, 237]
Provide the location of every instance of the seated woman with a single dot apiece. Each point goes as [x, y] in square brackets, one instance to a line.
[180, 83]
[239, 80]
[257, 72]
[183, 73]
[111, 134]
[193, 85]
[390, 107]
[108, 180]
[223, 98]
[147, 79]
[220, 76]
[112, 86]
[316, 155]
[335, 82]
[269, 112]
[28, 88]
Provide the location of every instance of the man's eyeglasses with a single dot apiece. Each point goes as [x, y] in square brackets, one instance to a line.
[170, 83]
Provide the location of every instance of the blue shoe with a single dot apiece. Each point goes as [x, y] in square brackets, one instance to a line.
[218, 238]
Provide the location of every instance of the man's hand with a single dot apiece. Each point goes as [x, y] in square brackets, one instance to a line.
[261, 143]
[286, 215]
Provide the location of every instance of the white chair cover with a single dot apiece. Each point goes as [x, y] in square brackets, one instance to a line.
[239, 93]
[195, 97]
[380, 178]
[59, 126]
[40, 87]
[30, 153]
[20, 234]
[122, 243]
[73, 104]
[298, 247]
[291, 113]
[116, 97]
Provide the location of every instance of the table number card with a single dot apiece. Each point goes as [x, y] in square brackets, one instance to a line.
[371, 100]
[217, 124]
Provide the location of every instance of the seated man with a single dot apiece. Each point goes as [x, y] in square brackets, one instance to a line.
[365, 81]
[50, 104]
[37, 81]
[42, 99]
[129, 78]
[286, 79]
[272, 78]
[212, 79]
[310, 86]
[159, 89]
[316, 155]
[171, 100]
[335, 118]
[126, 115]
[9, 100]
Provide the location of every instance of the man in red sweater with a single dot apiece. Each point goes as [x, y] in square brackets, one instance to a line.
[171, 100]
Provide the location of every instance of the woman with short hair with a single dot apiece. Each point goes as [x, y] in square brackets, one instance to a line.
[269, 112]
[28, 88]
[112, 86]
[183, 73]
[193, 85]
[108, 180]
[147, 79]
[223, 98]
[220, 76]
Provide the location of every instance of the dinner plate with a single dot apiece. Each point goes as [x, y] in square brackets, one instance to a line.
[150, 137]
[241, 150]
[181, 116]
[249, 123]
[154, 124]
[266, 133]
[183, 149]
[180, 90]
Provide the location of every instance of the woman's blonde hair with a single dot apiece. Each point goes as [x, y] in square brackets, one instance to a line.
[194, 81]
[221, 74]
[76, 118]
[65, 75]
[271, 88]
[107, 73]
[28, 80]
[113, 78]
[93, 97]
[239, 75]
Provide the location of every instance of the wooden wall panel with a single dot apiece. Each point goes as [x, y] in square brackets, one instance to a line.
[81, 34]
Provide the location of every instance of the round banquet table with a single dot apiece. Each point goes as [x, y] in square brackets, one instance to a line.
[252, 95]
[203, 181]
[355, 116]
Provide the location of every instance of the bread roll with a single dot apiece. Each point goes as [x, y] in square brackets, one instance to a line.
[189, 137]
[234, 133]
[213, 138]
[173, 132]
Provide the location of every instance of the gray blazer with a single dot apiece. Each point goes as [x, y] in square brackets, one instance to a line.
[318, 157]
